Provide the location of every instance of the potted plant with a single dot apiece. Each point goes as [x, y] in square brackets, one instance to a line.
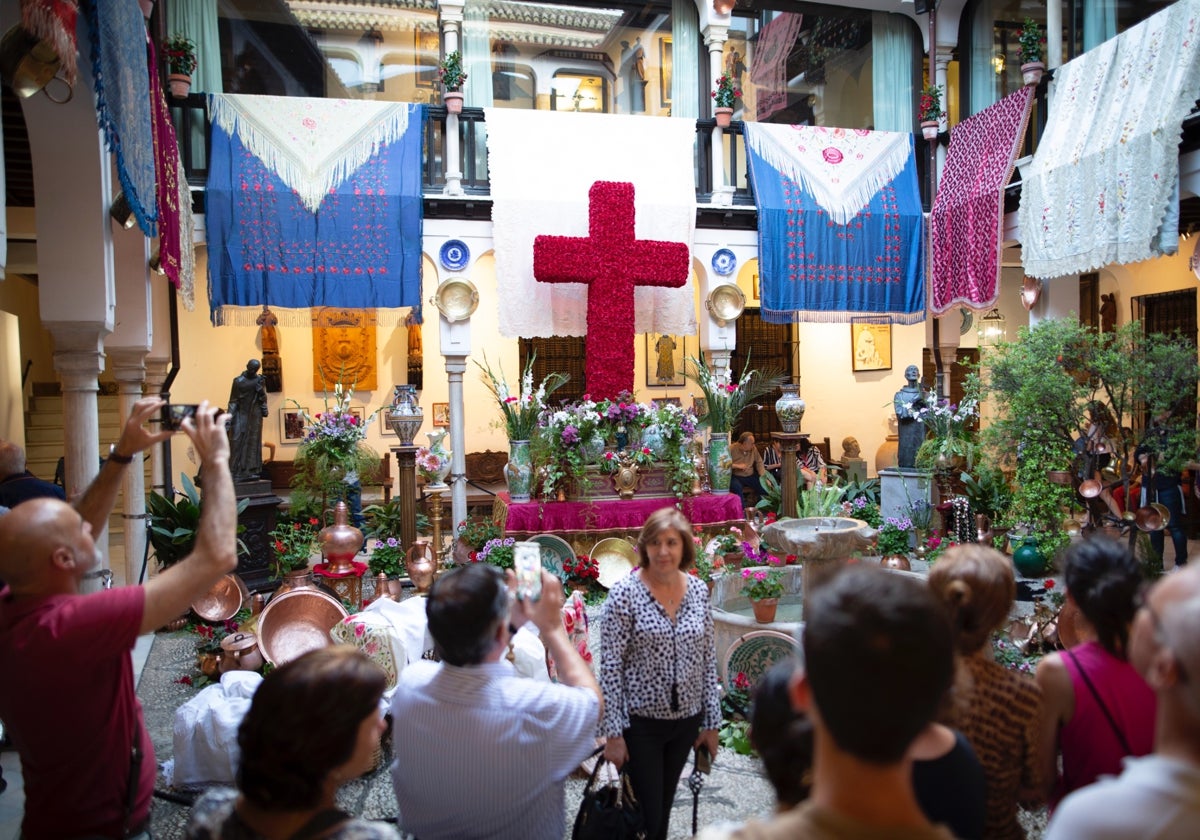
[473, 535]
[728, 545]
[582, 574]
[894, 536]
[180, 53]
[173, 524]
[499, 552]
[294, 543]
[1033, 42]
[764, 588]
[951, 442]
[387, 558]
[930, 113]
[450, 71]
[723, 98]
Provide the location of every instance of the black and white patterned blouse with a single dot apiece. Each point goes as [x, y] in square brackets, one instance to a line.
[651, 667]
[214, 817]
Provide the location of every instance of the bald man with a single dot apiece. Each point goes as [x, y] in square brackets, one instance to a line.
[1156, 796]
[18, 484]
[66, 677]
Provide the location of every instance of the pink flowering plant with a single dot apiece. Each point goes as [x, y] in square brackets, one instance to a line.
[726, 92]
[761, 557]
[762, 583]
[894, 535]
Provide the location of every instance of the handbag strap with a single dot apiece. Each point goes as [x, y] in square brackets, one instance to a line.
[1096, 696]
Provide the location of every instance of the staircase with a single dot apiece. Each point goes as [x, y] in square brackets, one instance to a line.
[44, 435]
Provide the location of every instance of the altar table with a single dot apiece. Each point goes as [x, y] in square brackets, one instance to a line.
[583, 524]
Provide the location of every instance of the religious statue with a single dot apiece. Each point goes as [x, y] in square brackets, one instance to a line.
[272, 362]
[247, 408]
[908, 401]
[1108, 312]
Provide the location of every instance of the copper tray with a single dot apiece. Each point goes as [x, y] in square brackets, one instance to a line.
[296, 622]
[223, 601]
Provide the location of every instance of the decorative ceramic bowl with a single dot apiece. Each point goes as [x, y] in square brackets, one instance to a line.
[556, 554]
[616, 558]
[296, 622]
[724, 262]
[754, 653]
[455, 255]
[725, 303]
[223, 601]
[456, 299]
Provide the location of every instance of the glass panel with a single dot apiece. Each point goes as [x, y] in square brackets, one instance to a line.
[573, 92]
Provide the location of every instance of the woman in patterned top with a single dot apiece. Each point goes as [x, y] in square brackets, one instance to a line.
[313, 725]
[658, 667]
[999, 710]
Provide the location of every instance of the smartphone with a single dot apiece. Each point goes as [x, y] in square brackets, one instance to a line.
[527, 564]
[174, 413]
[703, 760]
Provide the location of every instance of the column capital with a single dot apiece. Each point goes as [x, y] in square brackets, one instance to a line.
[715, 36]
[128, 366]
[78, 353]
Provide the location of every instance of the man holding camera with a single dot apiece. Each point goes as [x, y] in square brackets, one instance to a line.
[480, 751]
[67, 695]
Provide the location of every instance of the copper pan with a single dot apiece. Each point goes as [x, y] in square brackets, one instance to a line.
[223, 601]
[296, 622]
[1150, 518]
[1090, 488]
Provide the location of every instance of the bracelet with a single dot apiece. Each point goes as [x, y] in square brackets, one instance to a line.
[117, 458]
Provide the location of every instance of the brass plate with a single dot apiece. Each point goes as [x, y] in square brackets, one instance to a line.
[296, 622]
[616, 558]
[725, 303]
[456, 299]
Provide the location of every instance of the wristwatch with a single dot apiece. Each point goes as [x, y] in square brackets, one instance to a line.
[118, 459]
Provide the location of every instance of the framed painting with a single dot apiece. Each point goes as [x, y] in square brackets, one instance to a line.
[665, 69]
[426, 51]
[441, 414]
[870, 346]
[700, 407]
[291, 423]
[664, 360]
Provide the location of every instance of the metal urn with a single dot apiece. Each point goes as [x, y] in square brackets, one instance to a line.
[405, 416]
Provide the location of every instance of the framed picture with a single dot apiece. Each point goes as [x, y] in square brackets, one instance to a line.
[291, 423]
[664, 360]
[441, 414]
[870, 346]
[754, 282]
[427, 49]
[700, 407]
[665, 69]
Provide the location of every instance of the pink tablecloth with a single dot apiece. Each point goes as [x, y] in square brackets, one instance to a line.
[630, 514]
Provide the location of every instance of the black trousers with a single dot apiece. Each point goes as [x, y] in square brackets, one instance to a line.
[658, 751]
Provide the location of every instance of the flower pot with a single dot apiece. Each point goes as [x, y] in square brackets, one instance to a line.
[789, 408]
[764, 609]
[453, 100]
[180, 84]
[1031, 72]
[723, 116]
[929, 129]
[518, 472]
[720, 465]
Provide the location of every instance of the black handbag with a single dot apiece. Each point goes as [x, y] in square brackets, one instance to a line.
[610, 812]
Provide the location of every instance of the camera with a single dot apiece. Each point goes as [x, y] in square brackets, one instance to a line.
[527, 564]
[174, 413]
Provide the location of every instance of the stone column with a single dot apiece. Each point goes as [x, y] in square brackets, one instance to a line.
[722, 192]
[1054, 46]
[456, 366]
[156, 375]
[451, 14]
[130, 372]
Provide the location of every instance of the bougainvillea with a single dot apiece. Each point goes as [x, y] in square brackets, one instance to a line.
[611, 261]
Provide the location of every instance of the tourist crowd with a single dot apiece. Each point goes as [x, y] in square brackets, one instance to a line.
[896, 722]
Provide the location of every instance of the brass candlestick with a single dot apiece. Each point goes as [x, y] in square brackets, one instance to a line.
[434, 500]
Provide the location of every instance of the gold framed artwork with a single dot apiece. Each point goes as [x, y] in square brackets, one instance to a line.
[291, 423]
[754, 283]
[441, 414]
[870, 346]
[665, 69]
[664, 360]
[426, 49]
[700, 407]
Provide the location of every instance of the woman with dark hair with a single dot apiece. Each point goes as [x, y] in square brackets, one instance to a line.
[313, 725]
[658, 667]
[998, 710]
[1096, 708]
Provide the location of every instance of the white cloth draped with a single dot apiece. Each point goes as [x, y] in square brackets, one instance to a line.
[541, 165]
[1099, 188]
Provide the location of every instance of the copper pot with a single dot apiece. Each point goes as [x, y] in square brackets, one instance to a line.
[239, 652]
[340, 542]
[223, 601]
[1151, 517]
[1090, 488]
[421, 563]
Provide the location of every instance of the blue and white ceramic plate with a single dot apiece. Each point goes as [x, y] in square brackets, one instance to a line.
[455, 255]
[556, 553]
[724, 262]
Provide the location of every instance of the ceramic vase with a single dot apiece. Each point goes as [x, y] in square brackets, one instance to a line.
[789, 408]
[436, 446]
[720, 465]
[405, 416]
[652, 439]
[1028, 558]
[518, 472]
[764, 609]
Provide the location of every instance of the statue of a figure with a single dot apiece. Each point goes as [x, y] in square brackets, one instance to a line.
[247, 408]
[850, 448]
[908, 401]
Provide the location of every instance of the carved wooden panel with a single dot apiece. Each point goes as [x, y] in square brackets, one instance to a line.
[343, 348]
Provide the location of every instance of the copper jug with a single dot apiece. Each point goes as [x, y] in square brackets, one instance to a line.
[340, 542]
[421, 564]
[239, 652]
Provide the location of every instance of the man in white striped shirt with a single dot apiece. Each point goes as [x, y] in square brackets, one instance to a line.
[482, 752]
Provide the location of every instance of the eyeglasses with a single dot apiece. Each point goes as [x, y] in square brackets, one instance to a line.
[1142, 601]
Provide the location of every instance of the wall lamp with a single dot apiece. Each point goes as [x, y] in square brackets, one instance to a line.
[121, 212]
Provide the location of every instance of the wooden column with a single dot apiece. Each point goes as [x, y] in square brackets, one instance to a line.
[406, 463]
[789, 442]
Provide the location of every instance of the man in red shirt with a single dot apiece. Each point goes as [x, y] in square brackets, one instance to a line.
[67, 694]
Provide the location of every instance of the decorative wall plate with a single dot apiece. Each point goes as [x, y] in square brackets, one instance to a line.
[454, 255]
[456, 299]
[556, 553]
[725, 303]
[754, 653]
[724, 262]
[616, 558]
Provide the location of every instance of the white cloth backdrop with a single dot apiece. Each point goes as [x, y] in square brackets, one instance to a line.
[541, 165]
[1101, 186]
